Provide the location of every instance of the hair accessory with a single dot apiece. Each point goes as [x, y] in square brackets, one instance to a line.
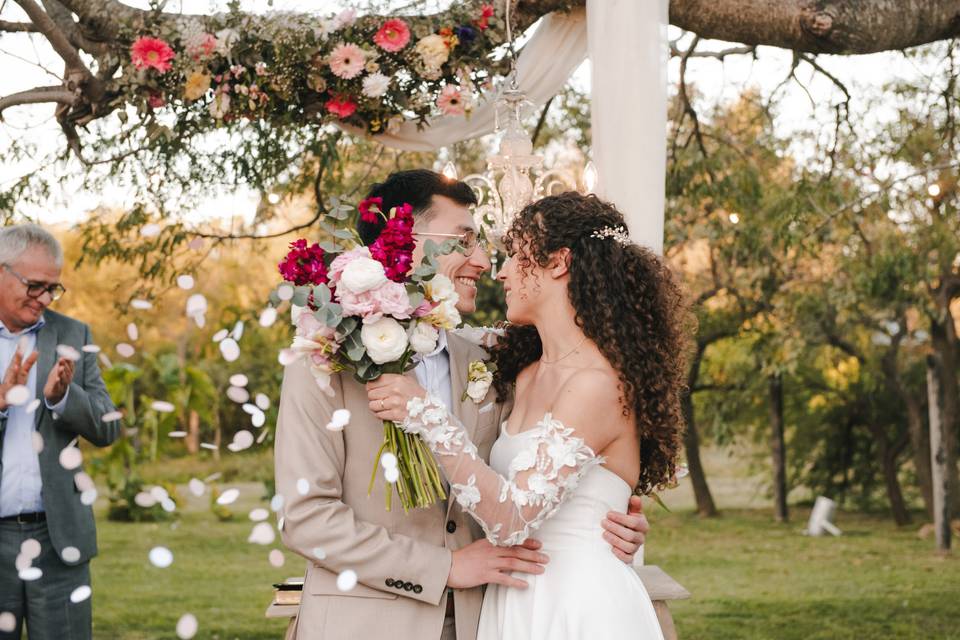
[617, 233]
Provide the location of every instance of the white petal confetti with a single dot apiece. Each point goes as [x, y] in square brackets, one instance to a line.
[22, 562]
[125, 350]
[31, 407]
[228, 497]
[90, 348]
[37, 441]
[8, 622]
[70, 554]
[242, 439]
[347, 580]
[262, 533]
[238, 394]
[220, 335]
[159, 493]
[262, 436]
[196, 305]
[392, 474]
[150, 230]
[259, 514]
[319, 553]
[187, 624]
[258, 419]
[80, 594]
[30, 573]
[177, 434]
[197, 487]
[303, 486]
[110, 417]
[168, 505]
[268, 316]
[162, 406]
[133, 332]
[250, 409]
[239, 380]
[229, 349]
[141, 304]
[144, 499]
[88, 497]
[276, 558]
[276, 503]
[18, 395]
[339, 420]
[263, 401]
[285, 292]
[208, 445]
[30, 548]
[70, 458]
[161, 557]
[237, 332]
[83, 481]
[68, 352]
[185, 282]
[388, 460]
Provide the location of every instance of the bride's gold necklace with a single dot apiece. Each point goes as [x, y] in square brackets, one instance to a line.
[566, 355]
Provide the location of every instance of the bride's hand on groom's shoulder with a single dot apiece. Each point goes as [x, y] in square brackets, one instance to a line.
[483, 563]
[390, 393]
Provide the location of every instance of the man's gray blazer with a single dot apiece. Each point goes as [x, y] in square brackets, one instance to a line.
[70, 521]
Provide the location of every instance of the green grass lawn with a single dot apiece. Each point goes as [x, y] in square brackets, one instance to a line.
[750, 578]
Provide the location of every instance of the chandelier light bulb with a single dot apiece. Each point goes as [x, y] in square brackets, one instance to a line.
[273, 198]
[590, 177]
[450, 171]
[934, 190]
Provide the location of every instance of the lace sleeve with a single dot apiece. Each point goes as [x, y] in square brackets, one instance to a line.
[539, 478]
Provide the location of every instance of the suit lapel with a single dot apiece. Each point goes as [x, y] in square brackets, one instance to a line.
[47, 346]
[459, 353]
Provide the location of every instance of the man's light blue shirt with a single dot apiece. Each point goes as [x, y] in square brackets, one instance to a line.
[20, 483]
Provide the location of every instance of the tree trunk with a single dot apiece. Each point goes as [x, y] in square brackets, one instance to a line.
[691, 442]
[778, 450]
[193, 433]
[887, 455]
[938, 454]
[944, 338]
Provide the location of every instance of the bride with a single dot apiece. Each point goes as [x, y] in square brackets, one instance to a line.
[593, 359]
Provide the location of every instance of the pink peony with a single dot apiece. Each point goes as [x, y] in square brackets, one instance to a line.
[341, 261]
[450, 101]
[393, 35]
[389, 299]
[341, 106]
[151, 53]
[347, 61]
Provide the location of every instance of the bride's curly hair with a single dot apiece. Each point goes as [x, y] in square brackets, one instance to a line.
[627, 301]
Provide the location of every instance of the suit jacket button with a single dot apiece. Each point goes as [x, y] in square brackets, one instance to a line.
[408, 586]
[398, 584]
[451, 526]
[417, 588]
[389, 582]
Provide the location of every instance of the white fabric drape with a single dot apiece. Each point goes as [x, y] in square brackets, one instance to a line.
[626, 41]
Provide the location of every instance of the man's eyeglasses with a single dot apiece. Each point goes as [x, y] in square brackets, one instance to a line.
[467, 241]
[37, 289]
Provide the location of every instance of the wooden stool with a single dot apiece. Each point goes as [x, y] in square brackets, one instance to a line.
[662, 588]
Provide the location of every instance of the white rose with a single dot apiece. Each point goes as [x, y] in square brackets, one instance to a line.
[477, 389]
[433, 51]
[362, 274]
[440, 288]
[423, 339]
[384, 339]
[445, 315]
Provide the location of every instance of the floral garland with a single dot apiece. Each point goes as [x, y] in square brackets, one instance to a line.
[368, 72]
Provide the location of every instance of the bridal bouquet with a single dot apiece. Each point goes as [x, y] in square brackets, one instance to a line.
[367, 310]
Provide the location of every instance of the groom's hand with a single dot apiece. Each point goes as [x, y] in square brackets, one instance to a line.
[482, 563]
[626, 532]
[389, 394]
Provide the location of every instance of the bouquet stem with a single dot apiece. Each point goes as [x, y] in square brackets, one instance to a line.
[419, 484]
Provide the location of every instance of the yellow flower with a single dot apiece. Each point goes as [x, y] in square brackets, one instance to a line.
[198, 83]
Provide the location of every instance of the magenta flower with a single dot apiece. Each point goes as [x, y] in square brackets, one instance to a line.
[304, 265]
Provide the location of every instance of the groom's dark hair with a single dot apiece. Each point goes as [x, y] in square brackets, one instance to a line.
[417, 188]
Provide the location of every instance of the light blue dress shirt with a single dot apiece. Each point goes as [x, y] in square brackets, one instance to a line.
[433, 372]
[20, 483]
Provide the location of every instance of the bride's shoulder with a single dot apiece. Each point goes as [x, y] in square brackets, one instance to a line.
[592, 391]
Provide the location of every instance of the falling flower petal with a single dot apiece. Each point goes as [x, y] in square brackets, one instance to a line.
[37, 441]
[262, 533]
[141, 304]
[80, 594]
[110, 417]
[197, 487]
[187, 626]
[237, 332]
[70, 458]
[161, 557]
[220, 335]
[276, 503]
[88, 497]
[133, 332]
[229, 349]
[347, 580]
[162, 406]
[196, 304]
[276, 558]
[150, 230]
[90, 348]
[285, 292]
[177, 434]
[239, 380]
[8, 622]
[388, 460]
[392, 474]
[125, 350]
[30, 548]
[242, 439]
[228, 497]
[258, 419]
[263, 401]
[303, 486]
[238, 394]
[339, 420]
[208, 445]
[319, 553]
[144, 499]
[18, 395]
[30, 573]
[259, 514]
[68, 352]
[70, 554]
[185, 282]
[268, 316]
[32, 406]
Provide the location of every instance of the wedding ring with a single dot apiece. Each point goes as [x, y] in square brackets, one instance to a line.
[381, 404]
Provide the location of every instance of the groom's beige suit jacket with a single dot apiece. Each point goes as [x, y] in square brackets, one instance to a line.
[402, 561]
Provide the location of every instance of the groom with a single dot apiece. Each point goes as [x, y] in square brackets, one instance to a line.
[419, 574]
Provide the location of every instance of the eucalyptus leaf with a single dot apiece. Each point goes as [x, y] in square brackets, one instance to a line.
[300, 296]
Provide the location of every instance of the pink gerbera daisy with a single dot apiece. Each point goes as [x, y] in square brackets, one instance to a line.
[347, 61]
[153, 53]
[393, 35]
[450, 101]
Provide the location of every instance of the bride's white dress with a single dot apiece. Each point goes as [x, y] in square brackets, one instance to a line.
[543, 482]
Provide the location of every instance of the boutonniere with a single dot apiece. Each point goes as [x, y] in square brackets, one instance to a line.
[479, 379]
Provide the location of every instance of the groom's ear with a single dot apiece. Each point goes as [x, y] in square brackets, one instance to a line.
[559, 265]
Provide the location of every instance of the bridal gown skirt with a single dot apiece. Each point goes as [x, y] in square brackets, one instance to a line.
[585, 591]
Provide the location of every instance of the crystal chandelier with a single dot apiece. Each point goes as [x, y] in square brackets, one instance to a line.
[514, 177]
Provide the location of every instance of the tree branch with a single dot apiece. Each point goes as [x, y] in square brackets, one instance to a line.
[36, 96]
[15, 27]
[59, 41]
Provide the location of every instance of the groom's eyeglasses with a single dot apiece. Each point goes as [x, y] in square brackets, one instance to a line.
[468, 241]
[37, 289]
